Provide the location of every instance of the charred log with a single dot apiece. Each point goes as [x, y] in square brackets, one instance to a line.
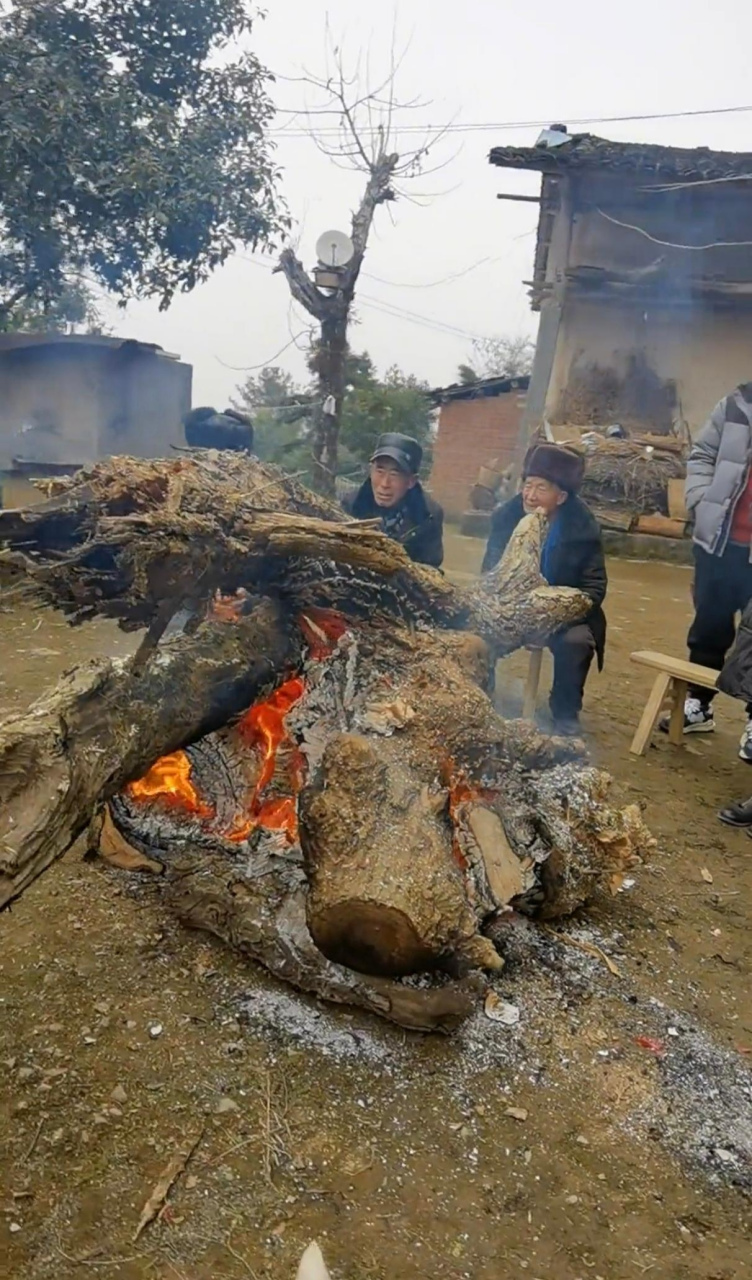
[128, 536]
[386, 894]
[106, 722]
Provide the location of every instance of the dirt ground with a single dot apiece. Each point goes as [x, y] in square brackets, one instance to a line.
[124, 1039]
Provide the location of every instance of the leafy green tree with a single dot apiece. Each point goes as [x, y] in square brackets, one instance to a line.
[74, 308]
[132, 145]
[398, 402]
[283, 413]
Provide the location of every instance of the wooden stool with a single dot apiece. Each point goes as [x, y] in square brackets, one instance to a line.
[674, 676]
[530, 698]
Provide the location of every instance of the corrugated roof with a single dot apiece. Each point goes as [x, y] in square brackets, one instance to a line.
[586, 151]
[481, 389]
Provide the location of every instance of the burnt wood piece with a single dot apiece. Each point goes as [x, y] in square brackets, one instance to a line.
[107, 721]
[265, 918]
[139, 533]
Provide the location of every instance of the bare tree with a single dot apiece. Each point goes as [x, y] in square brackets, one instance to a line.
[507, 357]
[366, 140]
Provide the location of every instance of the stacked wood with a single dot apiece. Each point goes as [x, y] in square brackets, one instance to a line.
[677, 506]
[423, 814]
[661, 526]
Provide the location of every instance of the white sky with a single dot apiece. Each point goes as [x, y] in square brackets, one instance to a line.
[481, 61]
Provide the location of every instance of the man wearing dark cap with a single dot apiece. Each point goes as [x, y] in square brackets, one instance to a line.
[572, 556]
[393, 493]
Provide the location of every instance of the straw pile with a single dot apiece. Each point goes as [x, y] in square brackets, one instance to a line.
[625, 473]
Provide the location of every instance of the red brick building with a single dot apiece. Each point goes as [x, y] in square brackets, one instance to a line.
[477, 423]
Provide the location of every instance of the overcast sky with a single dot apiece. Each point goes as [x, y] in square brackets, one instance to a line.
[481, 62]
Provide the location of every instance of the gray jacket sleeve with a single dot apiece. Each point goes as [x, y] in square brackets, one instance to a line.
[703, 457]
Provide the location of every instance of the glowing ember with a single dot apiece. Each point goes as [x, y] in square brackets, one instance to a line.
[263, 730]
[227, 608]
[322, 629]
[460, 792]
[169, 782]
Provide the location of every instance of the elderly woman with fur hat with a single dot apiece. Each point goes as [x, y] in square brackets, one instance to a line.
[572, 556]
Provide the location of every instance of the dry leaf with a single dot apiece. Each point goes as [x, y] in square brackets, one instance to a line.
[706, 875]
[164, 1184]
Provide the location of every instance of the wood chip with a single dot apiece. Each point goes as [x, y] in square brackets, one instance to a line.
[589, 948]
[164, 1184]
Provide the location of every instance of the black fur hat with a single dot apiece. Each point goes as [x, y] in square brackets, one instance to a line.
[558, 465]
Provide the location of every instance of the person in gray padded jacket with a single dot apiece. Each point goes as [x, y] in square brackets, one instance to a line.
[719, 498]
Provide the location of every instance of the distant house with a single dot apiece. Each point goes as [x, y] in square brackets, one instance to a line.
[643, 280]
[478, 423]
[66, 400]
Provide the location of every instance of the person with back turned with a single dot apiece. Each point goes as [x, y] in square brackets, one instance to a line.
[394, 495]
[571, 556]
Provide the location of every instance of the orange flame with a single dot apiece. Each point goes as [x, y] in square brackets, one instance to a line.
[263, 726]
[169, 782]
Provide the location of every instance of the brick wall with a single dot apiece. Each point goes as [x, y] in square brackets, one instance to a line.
[471, 433]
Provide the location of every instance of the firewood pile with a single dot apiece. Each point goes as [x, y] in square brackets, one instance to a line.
[628, 479]
[313, 768]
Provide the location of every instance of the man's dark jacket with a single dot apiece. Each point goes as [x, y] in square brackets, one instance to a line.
[736, 677]
[421, 531]
[576, 557]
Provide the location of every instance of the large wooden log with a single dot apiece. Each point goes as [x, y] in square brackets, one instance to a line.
[436, 813]
[265, 918]
[130, 538]
[106, 722]
[386, 894]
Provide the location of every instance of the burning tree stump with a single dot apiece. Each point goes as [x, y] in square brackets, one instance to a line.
[323, 782]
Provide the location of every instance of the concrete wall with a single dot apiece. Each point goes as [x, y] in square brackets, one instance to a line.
[58, 396]
[144, 415]
[706, 352]
[80, 403]
[471, 433]
[673, 330]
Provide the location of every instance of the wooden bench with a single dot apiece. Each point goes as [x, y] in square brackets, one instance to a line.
[671, 683]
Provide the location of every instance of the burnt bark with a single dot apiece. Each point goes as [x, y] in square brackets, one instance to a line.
[127, 536]
[265, 919]
[107, 721]
[439, 813]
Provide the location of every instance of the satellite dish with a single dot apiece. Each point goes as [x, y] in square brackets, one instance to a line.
[334, 249]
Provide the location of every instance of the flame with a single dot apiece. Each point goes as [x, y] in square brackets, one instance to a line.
[263, 728]
[169, 781]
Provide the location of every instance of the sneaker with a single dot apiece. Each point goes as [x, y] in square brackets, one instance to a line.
[738, 814]
[745, 744]
[697, 719]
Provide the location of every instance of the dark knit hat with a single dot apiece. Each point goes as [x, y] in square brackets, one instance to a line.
[558, 465]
